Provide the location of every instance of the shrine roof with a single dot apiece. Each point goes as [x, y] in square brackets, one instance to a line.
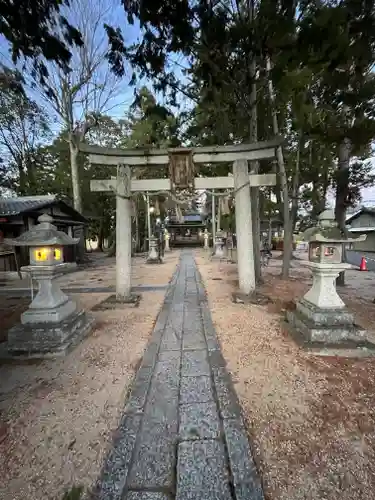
[24, 205]
[361, 211]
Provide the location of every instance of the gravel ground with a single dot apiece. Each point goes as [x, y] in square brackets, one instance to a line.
[105, 272]
[57, 417]
[311, 419]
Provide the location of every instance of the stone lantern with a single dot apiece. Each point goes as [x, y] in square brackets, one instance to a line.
[321, 316]
[219, 246]
[52, 323]
[167, 237]
[153, 253]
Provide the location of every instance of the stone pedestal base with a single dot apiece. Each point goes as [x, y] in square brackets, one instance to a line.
[153, 254]
[219, 253]
[49, 315]
[325, 326]
[154, 260]
[112, 302]
[252, 298]
[46, 340]
[219, 250]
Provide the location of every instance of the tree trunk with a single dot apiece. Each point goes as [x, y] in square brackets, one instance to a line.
[101, 235]
[254, 165]
[295, 192]
[22, 180]
[254, 199]
[137, 236]
[288, 240]
[320, 188]
[254, 169]
[147, 221]
[29, 169]
[270, 232]
[77, 199]
[112, 250]
[112, 244]
[277, 189]
[342, 194]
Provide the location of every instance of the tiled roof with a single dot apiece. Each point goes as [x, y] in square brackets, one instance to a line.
[361, 229]
[363, 210]
[16, 206]
[27, 204]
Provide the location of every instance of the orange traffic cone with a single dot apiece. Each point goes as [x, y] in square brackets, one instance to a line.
[363, 266]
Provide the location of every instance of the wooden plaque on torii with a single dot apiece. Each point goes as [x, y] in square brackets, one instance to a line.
[181, 169]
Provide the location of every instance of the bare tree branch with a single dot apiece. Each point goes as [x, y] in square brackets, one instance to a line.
[89, 89]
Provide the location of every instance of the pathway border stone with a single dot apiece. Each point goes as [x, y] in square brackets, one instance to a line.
[181, 436]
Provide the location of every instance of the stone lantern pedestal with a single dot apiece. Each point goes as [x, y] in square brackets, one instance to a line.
[206, 237]
[52, 324]
[153, 254]
[321, 317]
[167, 237]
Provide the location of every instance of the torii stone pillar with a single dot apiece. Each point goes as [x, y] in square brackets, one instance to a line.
[123, 230]
[244, 230]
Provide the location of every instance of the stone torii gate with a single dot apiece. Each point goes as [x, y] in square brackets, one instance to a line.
[241, 181]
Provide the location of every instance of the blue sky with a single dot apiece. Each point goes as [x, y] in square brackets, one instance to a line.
[113, 14]
[115, 17]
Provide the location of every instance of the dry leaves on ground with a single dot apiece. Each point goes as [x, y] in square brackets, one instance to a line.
[57, 417]
[311, 420]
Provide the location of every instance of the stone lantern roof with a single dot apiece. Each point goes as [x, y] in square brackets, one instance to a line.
[328, 231]
[43, 234]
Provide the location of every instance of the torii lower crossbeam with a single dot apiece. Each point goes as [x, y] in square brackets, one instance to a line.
[145, 185]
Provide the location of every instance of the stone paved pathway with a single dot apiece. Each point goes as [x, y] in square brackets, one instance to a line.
[181, 436]
[22, 292]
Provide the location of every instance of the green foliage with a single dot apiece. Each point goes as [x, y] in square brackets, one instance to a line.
[31, 30]
[149, 124]
[322, 56]
[23, 128]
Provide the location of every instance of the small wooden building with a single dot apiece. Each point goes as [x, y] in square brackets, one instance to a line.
[363, 222]
[18, 215]
[188, 231]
